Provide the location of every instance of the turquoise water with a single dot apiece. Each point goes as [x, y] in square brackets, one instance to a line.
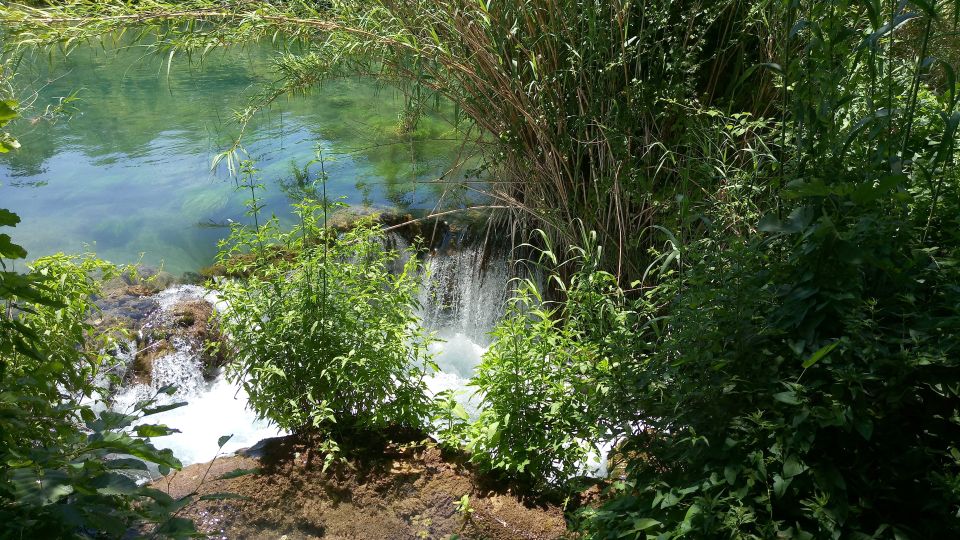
[127, 173]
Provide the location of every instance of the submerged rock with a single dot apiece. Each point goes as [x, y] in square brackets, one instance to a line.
[126, 301]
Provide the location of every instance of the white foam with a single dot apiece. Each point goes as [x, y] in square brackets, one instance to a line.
[168, 298]
[457, 354]
[596, 462]
[215, 409]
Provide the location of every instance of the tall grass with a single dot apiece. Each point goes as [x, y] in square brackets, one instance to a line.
[589, 103]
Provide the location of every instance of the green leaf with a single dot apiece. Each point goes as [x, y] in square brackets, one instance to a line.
[114, 484]
[33, 489]
[122, 443]
[8, 218]
[642, 524]
[669, 499]
[169, 389]
[861, 125]
[154, 430]
[8, 111]
[492, 433]
[9, 250]
[789, 397]
[7, 143]
[820, 354]
[223, 440]
[87, 415]
[127, 464]
[110, 420]
[793, 467]
[780, 485]
[864, 427]
[730, 474]
[161, 497]
[163, 408]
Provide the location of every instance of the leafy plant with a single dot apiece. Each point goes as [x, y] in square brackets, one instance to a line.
[69, 467]
[551, 383]
[783, 365]
[8, 111]
[806, 387]
[323, 333]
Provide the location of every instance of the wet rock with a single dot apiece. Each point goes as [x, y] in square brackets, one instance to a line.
[143, 281]
[142, 369]
[126, 301]
[187, 324]
[129, 310]
[194, 278]
[392, 491]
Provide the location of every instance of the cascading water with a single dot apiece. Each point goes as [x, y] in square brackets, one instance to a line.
[214, 408]
[462, 296]
[461, 301]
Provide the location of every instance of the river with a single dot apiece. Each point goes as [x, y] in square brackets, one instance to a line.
[125, 168]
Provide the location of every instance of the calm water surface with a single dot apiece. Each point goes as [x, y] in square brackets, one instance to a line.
[128, 174]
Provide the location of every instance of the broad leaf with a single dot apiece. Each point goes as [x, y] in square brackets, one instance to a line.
[41, 489]
[114, 484]
[820, 354]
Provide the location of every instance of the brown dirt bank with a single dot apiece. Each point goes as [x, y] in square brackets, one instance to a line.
[395, 492]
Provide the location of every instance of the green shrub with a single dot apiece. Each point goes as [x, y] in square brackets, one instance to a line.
[813, 396]
[535, 420]
[323, 333]
[66, 470]
[552, 384]
[808, 383]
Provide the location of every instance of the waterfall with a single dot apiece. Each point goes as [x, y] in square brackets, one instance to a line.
[215, 406]
[463, 294]
[461, 299]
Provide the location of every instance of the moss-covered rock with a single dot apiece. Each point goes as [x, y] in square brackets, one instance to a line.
[189, 323]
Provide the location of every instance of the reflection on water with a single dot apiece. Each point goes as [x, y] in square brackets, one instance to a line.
[129, 172]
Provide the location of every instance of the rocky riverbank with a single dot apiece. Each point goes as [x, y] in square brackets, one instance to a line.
[384, 491]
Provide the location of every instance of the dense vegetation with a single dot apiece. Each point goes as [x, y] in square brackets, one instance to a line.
[770, 331]
[323, 330]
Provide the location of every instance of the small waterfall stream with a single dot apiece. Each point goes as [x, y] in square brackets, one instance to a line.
[215, 407]
[461, 301]
[462, 296]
